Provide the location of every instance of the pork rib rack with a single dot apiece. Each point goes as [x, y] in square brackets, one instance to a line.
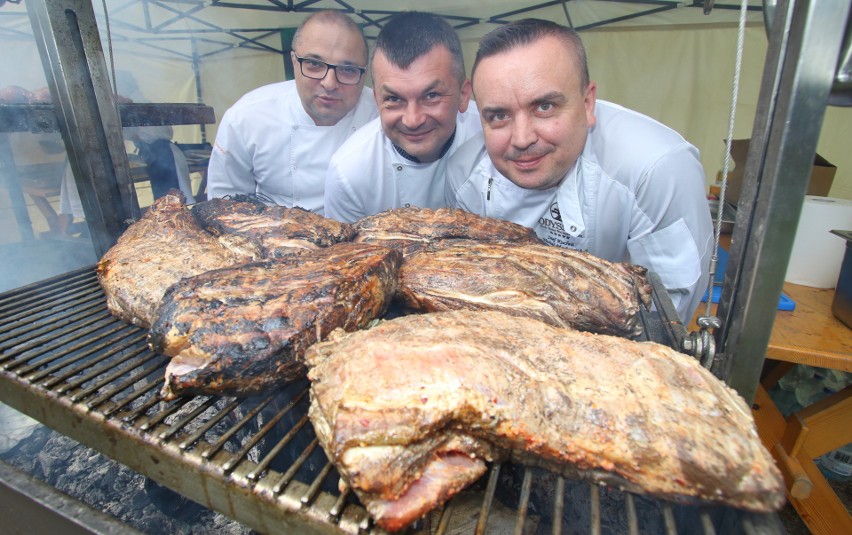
[241, 331]
[275, 230]
[410, 410]
[164, 246]
[411, 228]
[563, 287]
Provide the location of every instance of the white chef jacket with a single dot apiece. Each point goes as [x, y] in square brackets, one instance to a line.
[367, 175]
[268, 144]
[636, 194]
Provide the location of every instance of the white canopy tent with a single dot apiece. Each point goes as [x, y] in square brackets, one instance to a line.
[667, 59]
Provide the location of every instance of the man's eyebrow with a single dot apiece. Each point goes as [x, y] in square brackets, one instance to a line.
[553, 96]
[428, 89]
[491, 110]
[346, 62]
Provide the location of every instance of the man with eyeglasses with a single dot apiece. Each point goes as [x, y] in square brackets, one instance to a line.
[276, 140]
[425, 113]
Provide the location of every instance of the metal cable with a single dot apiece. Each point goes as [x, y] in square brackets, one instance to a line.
[721, 204]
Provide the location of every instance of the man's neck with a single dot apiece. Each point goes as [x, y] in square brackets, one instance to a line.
[415, 159]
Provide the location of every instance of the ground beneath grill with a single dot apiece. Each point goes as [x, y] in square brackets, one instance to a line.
[111, 487]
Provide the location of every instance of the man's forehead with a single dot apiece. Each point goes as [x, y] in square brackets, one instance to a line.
[324, 33]
[427, 71]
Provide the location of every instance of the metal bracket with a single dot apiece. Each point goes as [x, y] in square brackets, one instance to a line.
[702, 344]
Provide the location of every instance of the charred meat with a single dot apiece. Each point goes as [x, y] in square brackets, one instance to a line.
[276, 230]
[411, 228]
[243, 330]
[163, 247]
[563, 287]
[411, 409]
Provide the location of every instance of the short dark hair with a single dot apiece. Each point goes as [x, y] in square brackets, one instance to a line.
[525, 31]
[333, 17]
[411, 34]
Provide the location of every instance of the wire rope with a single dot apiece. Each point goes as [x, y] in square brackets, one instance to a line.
[717, 230]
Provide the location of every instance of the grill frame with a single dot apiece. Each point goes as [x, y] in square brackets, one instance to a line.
[65, 361]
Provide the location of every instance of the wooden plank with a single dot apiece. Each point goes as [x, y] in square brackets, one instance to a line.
[822, 511]
[821, 427]
[811, 334]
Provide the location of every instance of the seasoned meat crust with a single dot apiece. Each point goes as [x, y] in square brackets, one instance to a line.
[241, 331]
[410, 409]
[563, 287]
[411, 228]
[164, 246]
[275, 230]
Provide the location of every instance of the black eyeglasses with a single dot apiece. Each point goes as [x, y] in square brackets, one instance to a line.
[316, 69]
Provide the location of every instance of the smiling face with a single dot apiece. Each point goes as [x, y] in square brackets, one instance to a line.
[326, 101]
[418, 105]
[536, 120]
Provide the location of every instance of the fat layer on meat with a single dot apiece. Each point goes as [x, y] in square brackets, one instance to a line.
[244, 330]
[275, 230]
[560, 286]
[409, 410]
[163, 247]
[410, 228]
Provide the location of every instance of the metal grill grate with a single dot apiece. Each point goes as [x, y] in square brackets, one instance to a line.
[67, 362]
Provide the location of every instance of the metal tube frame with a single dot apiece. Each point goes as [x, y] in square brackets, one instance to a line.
[804, 47]
[72, 57]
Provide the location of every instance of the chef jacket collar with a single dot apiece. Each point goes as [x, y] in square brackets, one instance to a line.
[570, 202]
[415, 159]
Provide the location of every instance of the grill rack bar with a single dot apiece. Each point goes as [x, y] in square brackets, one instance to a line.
[257, 460]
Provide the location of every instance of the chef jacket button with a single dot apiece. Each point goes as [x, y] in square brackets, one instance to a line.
[573, 228]
[399, 168]
[408, 205]
[295, 127]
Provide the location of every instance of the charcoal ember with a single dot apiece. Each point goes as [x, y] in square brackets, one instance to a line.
[112, 488]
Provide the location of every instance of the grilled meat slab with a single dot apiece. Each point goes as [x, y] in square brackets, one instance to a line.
[411, 228]
[409, 410]
[276, 230]
[243, 330]
[164, 246]
[563, 287]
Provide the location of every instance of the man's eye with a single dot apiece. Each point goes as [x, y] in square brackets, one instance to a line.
[349, 71]
[316, 65]
[545, 106]
[498, 117]
[433, 95]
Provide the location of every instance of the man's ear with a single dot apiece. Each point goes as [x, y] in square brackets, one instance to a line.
[296, 67]
[466, 90]
[589, 100]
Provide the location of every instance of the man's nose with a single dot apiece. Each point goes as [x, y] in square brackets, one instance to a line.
[413, 116]
[523, 132]
[329, 81]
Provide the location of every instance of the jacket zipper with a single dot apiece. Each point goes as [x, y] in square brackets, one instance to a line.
[488, 193]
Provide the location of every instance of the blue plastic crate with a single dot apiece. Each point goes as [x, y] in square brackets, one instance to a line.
[784, 303]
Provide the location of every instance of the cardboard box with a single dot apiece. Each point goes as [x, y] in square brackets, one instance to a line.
[822, 173]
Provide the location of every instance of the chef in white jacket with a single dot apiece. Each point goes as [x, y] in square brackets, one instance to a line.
[425, 114]
[584, 173]
[276, 140]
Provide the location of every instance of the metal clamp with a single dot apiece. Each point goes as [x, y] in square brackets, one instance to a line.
[702, 344]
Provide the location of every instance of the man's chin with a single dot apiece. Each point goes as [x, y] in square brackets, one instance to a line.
[326, 117]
